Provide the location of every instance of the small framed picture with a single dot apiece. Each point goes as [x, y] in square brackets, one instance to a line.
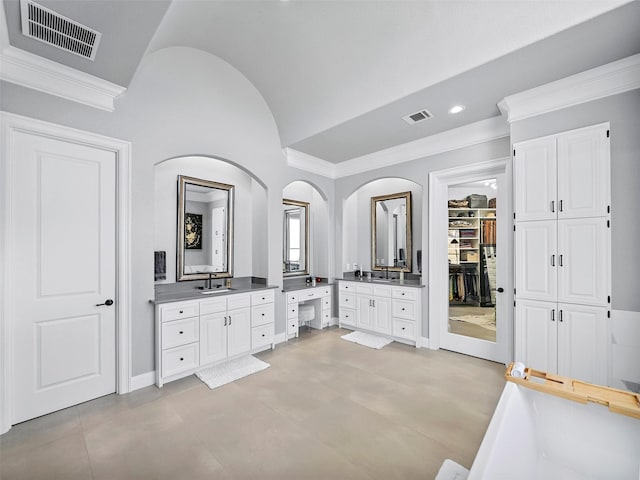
[192, 231]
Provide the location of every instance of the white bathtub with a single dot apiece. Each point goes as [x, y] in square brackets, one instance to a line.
[537, 436]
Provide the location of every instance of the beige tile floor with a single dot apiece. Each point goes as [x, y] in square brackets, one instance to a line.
[326, 409]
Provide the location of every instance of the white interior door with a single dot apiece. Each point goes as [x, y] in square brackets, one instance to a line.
[483, 332]
[63, 208]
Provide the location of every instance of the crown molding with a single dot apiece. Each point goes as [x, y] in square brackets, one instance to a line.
[32, 71]
[309, 163]
[467, 135]
[610, 79]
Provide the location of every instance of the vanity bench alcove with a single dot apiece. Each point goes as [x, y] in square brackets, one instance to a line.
[195, 330]
[320, 296]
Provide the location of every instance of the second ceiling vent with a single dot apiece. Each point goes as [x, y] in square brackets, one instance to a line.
[418, 116]
[47, 26]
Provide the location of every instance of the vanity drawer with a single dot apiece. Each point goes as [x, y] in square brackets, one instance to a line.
[262, 314]
[262, 297]
[365, 289]
[347, 316]
[238, 301]
[326, 291]
[179, 359]
[261, 336]
[326, 318]
[404, 309]
[292, 310]
[347, 286]
[213, 305]
[292, 297]
[175, 311]
[292, 326]
[347, 300]
[326, 303]
[404, 329]
[179, 332]
[381, 290]
[405, 293]
[309, 295]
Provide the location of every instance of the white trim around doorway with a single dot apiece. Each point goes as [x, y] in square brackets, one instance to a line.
[439, 182]
[10, 123]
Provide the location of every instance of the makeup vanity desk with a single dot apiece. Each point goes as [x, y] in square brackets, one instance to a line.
[319, 296]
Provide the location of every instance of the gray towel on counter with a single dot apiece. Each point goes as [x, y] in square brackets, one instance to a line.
[160, 265]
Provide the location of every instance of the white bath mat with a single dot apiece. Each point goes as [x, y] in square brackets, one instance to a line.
[224, 373]
[367, 339]
[451, 470]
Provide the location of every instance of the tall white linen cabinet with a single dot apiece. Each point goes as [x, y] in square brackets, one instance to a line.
[563, 253]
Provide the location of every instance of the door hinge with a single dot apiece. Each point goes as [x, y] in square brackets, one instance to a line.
[608, 313]
[607, 133]
[609, 299]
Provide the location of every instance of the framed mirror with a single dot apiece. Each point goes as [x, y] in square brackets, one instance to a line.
[205, 229]
[295, 250]
[391, 232]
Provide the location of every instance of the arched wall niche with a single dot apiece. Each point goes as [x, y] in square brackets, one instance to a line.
[356, 220]
[250, 211]
[319, 238]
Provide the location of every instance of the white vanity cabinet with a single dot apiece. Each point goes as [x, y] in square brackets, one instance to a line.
[194, 334]
[321, 296]
[389, 310]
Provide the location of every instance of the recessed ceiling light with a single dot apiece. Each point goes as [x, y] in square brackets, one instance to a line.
[457, 109]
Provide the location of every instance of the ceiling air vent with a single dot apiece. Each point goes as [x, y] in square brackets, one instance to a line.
[52, 28]
[417, 116]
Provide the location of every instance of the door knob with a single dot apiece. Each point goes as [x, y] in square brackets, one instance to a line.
[499, 289]
[108, 302]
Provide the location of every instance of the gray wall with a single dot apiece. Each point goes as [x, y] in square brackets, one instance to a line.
[182, 101]
[623, 113]
[416, 171]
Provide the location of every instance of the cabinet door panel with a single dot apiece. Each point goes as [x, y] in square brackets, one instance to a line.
[583, 173]
[536, 260]
[213, 338]
[535, 179]
[382, 315]
[583, 270]
[536, 335]
[582, 343]
[363, 312]
[239, 331]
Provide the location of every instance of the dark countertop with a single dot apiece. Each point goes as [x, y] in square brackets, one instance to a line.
[195, 294]
[394, 282]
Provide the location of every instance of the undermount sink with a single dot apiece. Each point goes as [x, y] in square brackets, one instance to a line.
[216, 290]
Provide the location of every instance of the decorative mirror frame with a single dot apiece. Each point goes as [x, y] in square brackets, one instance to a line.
[182, 183]
[305, 205]
[374, 200]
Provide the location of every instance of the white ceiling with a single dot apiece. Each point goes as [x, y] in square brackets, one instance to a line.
[338, 75]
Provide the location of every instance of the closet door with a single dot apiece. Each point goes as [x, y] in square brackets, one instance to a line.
[536, 335]
[583, 173]
[535, 179]
[582, 343]
[536, 260]
[583, 270]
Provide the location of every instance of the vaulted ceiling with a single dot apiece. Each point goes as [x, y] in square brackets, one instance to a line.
[338, 76]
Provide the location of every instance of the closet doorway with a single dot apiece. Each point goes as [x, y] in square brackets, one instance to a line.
[470, 254]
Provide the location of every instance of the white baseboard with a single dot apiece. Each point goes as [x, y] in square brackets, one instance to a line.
[334, 321]
[423, 342]
[143, 380]
[280, 338]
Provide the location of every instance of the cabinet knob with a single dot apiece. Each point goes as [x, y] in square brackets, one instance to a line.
[181, 359]
[403, 309]
[263, 298]
[263, 314]
[403, 328]
[181, 332]
[263, 334]
[403, 294]
[181, 311]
